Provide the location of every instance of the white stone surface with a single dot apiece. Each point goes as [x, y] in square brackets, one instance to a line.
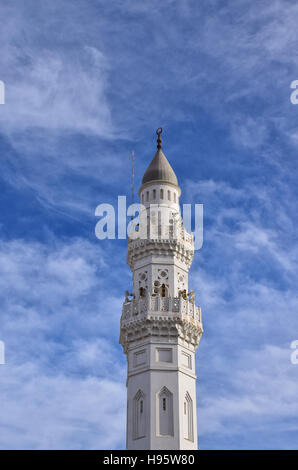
[160, 329]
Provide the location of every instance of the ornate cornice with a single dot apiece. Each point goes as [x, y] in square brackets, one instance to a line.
[181, 248]
[170, 317]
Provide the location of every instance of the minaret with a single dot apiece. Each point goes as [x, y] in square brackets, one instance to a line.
[160, 324]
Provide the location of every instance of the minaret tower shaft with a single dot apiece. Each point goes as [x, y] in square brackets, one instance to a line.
[161, 326]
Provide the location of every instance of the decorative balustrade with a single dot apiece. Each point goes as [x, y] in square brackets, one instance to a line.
[158, 306]
[179, 234]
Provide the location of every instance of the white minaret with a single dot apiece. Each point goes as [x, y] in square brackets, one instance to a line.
[160, 325]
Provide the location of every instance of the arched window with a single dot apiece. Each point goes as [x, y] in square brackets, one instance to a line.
[174, 197]
[161, 194]
[165, 425]
[188, 418]
[142, 292]
[169, 195]
[154, 193]
[139, 415]
[163, 291]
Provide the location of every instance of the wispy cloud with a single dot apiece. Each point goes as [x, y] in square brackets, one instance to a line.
[258, 398]
[57, 390]
[85, 85]
[50, 88]
[60, 411]
[247, 385]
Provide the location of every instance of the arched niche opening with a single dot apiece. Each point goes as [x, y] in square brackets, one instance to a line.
[139, 415]
[165, 420]
[188, 417]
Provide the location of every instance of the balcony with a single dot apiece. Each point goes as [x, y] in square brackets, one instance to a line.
[152, 307]
[170, 234]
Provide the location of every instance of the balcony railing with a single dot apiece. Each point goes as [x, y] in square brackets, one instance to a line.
[177, 233]
[158, 306]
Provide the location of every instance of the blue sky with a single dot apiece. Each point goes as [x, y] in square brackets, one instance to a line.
[86, 83]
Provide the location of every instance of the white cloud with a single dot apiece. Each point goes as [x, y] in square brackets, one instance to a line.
[50, 88]
[58, 411]
[57, 93]
[59, 318]
[246, 277]
[63, 384]
[260, 393]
